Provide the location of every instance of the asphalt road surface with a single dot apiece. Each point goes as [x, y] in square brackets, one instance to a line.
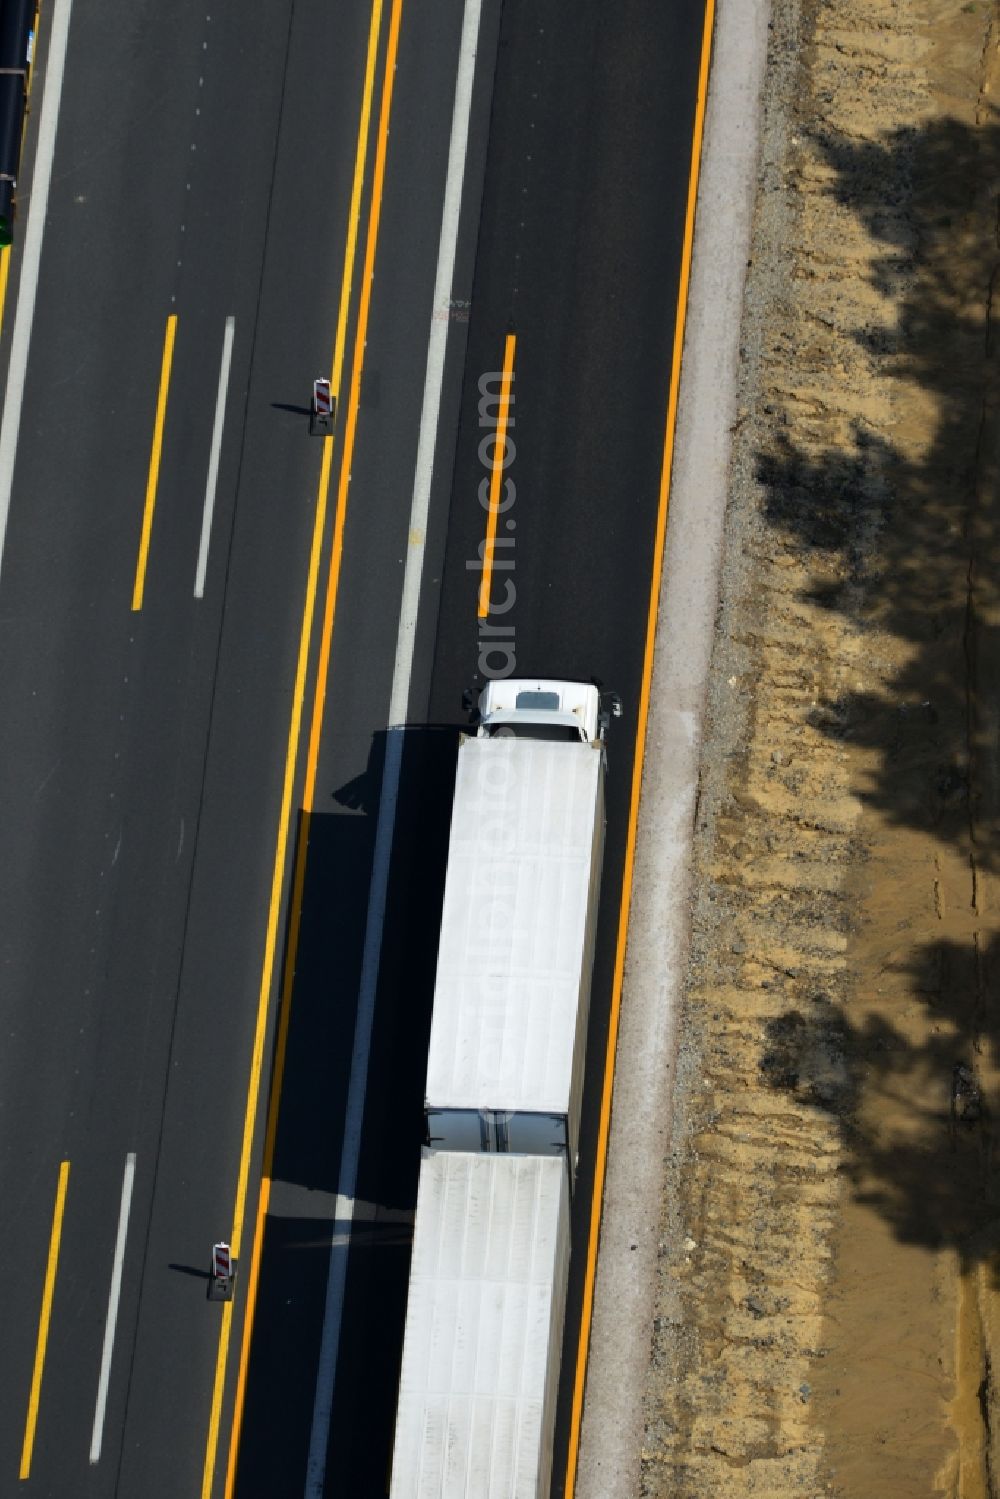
[203, 171]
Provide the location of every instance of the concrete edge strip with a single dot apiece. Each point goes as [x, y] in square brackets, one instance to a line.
[659, 921]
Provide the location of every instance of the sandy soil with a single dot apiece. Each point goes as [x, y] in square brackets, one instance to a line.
[828, 1315]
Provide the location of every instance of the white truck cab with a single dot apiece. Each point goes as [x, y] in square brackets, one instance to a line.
[543, 708]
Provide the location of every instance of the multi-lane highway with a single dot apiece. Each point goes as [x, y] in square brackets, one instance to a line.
[222, 854]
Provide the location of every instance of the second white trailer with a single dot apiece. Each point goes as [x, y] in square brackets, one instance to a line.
[484, 1327]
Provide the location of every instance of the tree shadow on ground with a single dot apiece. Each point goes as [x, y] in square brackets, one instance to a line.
[904, 538]
[920, 1124]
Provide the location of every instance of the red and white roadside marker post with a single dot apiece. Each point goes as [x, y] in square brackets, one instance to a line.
[322, 409]
[222, 1276]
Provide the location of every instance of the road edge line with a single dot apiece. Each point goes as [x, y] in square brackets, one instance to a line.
[659, 924]
[600, 1166]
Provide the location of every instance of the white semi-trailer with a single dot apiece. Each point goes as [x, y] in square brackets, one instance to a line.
[512, 993]
[487, 1297]
[484, 1326]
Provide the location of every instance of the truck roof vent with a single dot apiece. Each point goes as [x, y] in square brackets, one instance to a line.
[548, 701]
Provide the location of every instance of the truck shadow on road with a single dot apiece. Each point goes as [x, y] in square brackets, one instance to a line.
[306, 1224]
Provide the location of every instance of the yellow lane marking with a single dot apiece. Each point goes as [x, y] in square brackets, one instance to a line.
[257, 1055]
[354, 399]
[496, 476]
[4, 273]
[354, 212]
[600, 1170]
[295, 904]
[43, 1320]
[154, 463]
[322, 670]
[241, 1375]
[280, 1049]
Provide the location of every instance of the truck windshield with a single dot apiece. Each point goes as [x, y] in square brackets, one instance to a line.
[544, 700]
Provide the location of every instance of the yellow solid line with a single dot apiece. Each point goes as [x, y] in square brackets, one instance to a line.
[241, 1373]
[353, 399]
[600, 1170]
[312, 757]
[43, 1320]
[4, 273]
[154, 463]
[336, 558]
[354, 212]
[257, 1055]
[496, 476]
[270, 1135]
